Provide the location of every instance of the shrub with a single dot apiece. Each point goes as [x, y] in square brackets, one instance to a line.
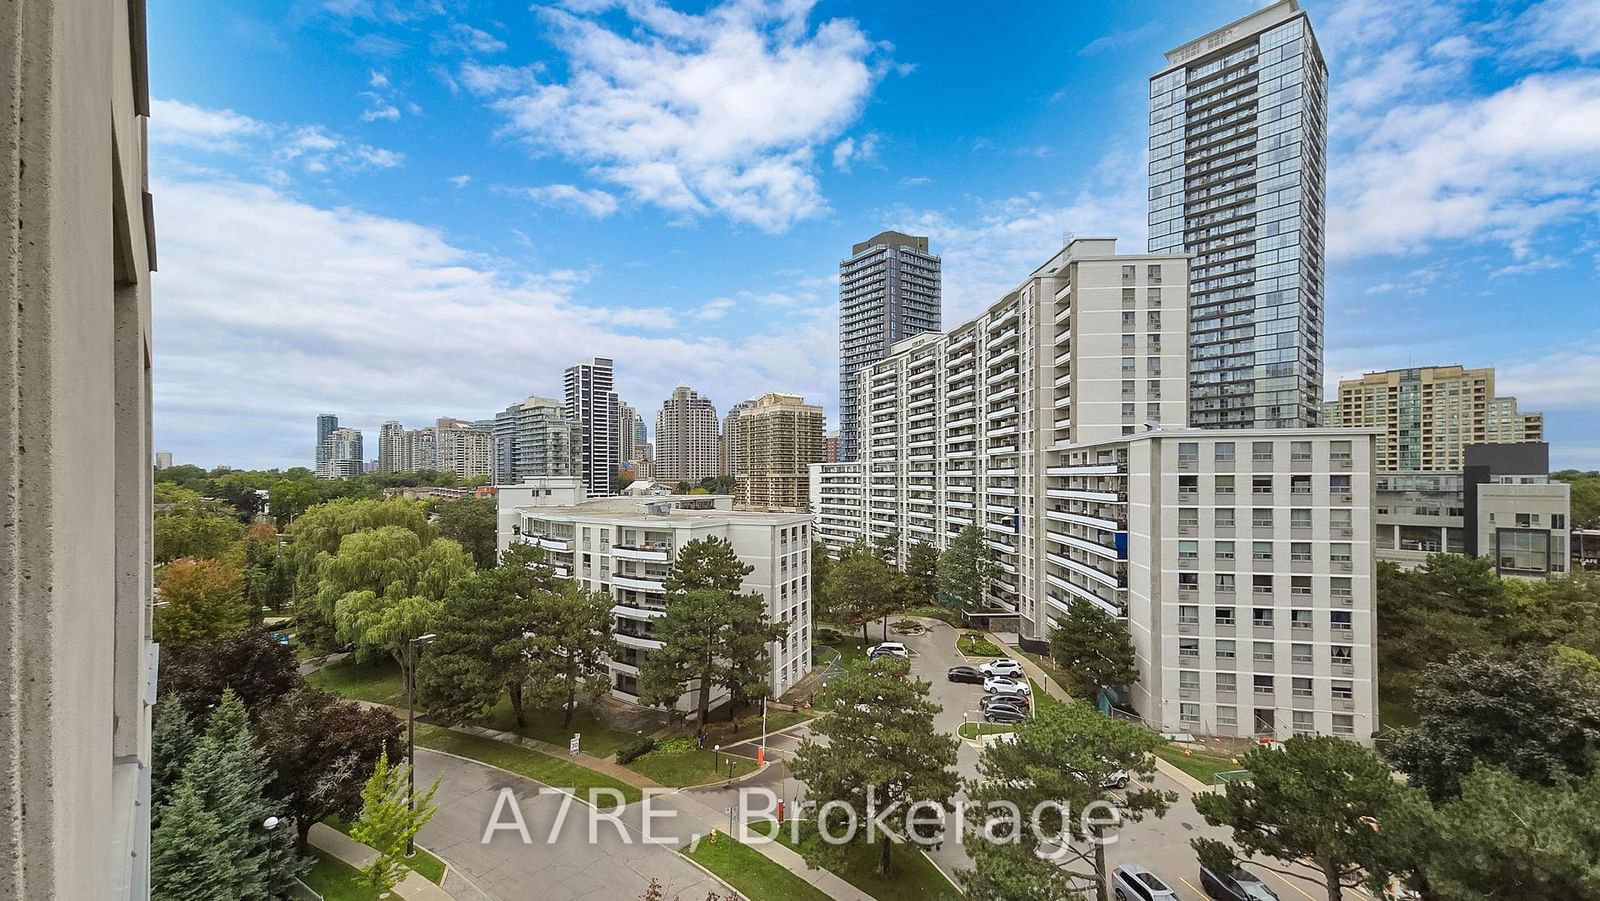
[635, 749]
[828, 636]
[676, 746]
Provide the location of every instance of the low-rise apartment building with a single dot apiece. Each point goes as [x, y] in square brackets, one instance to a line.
[626, 546]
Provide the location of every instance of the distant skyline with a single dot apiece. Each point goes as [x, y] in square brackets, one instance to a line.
[380, 209]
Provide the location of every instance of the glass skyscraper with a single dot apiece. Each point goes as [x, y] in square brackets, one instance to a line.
[1238, 149]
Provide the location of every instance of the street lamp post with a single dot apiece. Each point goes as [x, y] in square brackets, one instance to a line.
[411, 731]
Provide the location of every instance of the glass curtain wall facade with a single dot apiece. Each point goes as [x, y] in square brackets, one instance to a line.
[1238, 147]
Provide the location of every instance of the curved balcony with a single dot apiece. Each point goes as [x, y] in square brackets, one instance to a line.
[643, 553]
[629, 612]
[637, 641]
[638, 584]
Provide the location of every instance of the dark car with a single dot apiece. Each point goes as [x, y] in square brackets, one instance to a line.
[1018, 701]
[1241, 886]
[965, 674]
[1001, 713]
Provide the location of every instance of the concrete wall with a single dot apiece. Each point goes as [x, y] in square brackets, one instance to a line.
[75, 498]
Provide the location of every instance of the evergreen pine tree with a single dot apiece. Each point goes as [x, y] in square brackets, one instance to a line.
[187, 857]
[171, 743]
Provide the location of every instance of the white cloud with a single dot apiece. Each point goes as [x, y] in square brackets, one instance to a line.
[1563, 379]
[186, 125]
[912, 181]
[380, 109]
[319, 301]
[850, 151]
[463, 38]
[1561, 26]
[378, 80]
[715, 309]
[460, 181]
[1537, 264]
[489, 80]
[1500, 167]
[723, 111]
[594, 203]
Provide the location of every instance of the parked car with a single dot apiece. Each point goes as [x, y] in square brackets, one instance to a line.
[1240, 886]
[1006, 667]
[888, 649]
[965, 674]
[1118, 779]
[1002, 685]
[1135, 883]
[1004, 713]
[1019, 701]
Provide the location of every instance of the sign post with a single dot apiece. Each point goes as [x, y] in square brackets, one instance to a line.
[572, 746]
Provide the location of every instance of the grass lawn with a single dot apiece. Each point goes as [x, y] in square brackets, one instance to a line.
[552, 771]
[933, 611]
[336, 880]
[431, 868]
[377, 681]
[750, 726]
[1199, 764]
[751, 872]
[974, 645]
[690, 767]
[973, 730]
[912, 877]
[1049, 666]
[852, 654]
[1043, 701]
[598, 738]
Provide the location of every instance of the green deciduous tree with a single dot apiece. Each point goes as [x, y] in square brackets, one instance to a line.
[388, 822]
[266, 579]
[1449, 604]
[922, 573]
[191, 527]
[200, 599]
[883, 745]
[320, 750]
[1533, 715]
[1319, 799]
[318, 534]
[963, 571]
[700, 634]
[861, 589]
[707, 563]
[570, 644]
[1061, 763]
[1092, 646]
[1585, 496]
[470, 522]
[821, 566]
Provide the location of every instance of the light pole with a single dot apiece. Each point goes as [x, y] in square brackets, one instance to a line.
[411, 731]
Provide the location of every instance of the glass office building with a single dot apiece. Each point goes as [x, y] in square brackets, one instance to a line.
[1238, 148]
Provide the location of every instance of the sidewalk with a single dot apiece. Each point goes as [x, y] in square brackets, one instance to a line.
[337, 844]
[825, 881]
[1054, 690]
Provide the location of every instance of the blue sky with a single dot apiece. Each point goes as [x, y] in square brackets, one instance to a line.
[405, 210]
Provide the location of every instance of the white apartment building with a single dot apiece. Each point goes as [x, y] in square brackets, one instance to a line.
[591, 403]
[1043, 421]
[626, 546]
[688, 438]
[462, 449]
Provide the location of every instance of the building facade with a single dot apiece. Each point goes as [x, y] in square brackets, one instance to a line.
[326, 424]
[163, 460]
[1238, 150]
[463, 449]
[1430, 415]
[625, 546]
[830, 448]
[630, 432]
[78, 674]
[534, 439]
[728, 449]
[688, 439]
[346, 457]
[780, 436]
[1054, 424]
[591, 402]
[392, 447]
[889, 290]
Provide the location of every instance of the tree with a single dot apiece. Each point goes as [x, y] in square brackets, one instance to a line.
[188, 851]
[707, 563]
[883, 746]
[749, 671]
[252, 664]
[963, 571]
[570, 644]
[887, 548]
[386, 587]
[1449, 604]
[266, 582]
[821, 567]
[194, 528]
[1585, 496]
[1320, 799]
[471, 523]
[699, 634]
[861, 589]
[922, 572]
[1094, 650]
[172, 740]
[389, 822]
[320, 750]
[1060, 764]
[200, 599]
[1532, 715]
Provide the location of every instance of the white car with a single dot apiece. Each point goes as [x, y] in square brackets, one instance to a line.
[1005, 667]
[1000, 684]
[888, 648]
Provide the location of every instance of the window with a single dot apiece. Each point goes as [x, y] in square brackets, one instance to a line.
[1228, 682]
[1153, 389]
[1225, 649]
[1152, 412]
[1261, 451]
[1228, 716]
[1344, 724]
[1339, 451]
[1263, 652]
[1127, 409]
[1152, 365]
[1225, 486]
[1342, 655]
[1189, 680]
[1153, 322]
[1261, 517]
[1189, 713]
[1188, 581]
[1127, 343]
[1300, 518]
[1224, 518]
[1261, 550]
[1300, 619]
[1305, 722]
[1340, 519]
[1301, 687]
[1341, 621]
[1558, 522]
[1340, 587]
[1339, 552]
[1342, 690]
[1188, 550]
[1224, 451]
[1188, 517]
[1128, 274]
[1224, 583]
[1301, 654]
[1261, 617]
[1127, 315]
[1300, 551]
[1261, 485]
[1127, 388]
[1300, 585]
[1188, 484]
[1264, 685]
[1338, 484]
[1188, 615]
[1224, 616]
[1300, 451]
[1153, 273]
[1188, 647]
[1152, 296]
[1127, 364]
[1224, 550]
[1127, 298]
[1299, 484]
